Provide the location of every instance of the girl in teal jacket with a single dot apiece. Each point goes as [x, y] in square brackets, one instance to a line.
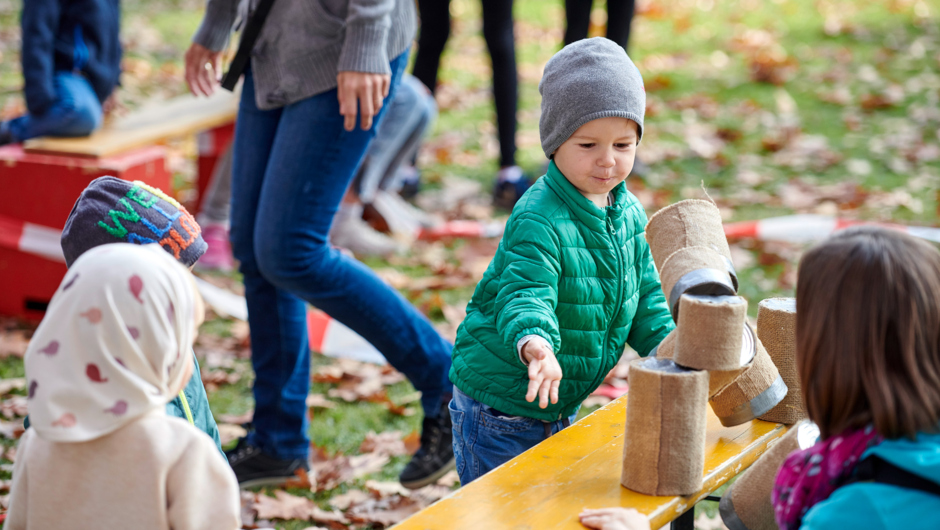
[572, 280]
[868, 352]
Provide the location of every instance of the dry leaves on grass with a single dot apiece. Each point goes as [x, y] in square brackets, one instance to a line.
[383, 504]
[358, 381]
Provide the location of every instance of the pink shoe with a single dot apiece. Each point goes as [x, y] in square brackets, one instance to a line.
[218, 256]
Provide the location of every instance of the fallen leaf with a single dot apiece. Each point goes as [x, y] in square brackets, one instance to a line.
[319, 401]
[344, 500]
[385, 489]
[283, 506]
[237, 419]
[229, 432]
[388, 443]
[8, 385]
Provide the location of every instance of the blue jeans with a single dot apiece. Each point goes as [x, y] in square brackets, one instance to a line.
[76, 112]
[397, 139]
[485, 438]
[291, 168]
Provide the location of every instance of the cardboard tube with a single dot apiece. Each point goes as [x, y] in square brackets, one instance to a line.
[746, 504]
[709, 332]
[694, 270]
[776, 328]
[664, 444]
[757, 390]
[690, 223]
[718, 380]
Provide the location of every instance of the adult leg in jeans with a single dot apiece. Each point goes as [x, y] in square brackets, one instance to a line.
[76, 112]
[435, 29]
[280, 224]
[280, 353]
[500, 41]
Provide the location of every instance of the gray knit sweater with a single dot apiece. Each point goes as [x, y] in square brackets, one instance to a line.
[305, 43]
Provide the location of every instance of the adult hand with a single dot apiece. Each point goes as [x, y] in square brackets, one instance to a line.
[203, 69]
[614, 519]
[544, 372]
[368, 90]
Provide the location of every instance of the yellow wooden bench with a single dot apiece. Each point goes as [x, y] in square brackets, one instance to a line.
[152, 124]
[549, 485]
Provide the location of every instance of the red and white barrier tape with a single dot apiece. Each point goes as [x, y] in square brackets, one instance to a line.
[806, 228]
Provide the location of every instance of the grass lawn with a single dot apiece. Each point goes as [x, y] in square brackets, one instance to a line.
[775, 107]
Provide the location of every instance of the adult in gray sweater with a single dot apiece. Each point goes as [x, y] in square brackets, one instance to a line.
[317, 68]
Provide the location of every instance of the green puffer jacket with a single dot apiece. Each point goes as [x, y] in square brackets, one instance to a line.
[581, 277]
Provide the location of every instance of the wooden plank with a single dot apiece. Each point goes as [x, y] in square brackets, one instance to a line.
[153, 124]
[549, 485]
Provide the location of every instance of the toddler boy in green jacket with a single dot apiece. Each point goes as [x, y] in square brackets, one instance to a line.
[572, 280]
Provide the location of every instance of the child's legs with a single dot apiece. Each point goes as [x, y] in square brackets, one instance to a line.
[405, 120]
[77, 111]
[484, 439]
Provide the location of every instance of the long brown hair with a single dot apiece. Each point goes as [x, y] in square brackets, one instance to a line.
[868, 333]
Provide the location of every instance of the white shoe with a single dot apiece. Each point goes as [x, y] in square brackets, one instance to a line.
[402, 218]
[352, 233]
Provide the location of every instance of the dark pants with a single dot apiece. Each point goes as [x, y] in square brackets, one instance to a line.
[619, 18]
[500, 41]
[291, 168]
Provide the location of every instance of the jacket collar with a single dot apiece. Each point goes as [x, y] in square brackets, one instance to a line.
[585, 210]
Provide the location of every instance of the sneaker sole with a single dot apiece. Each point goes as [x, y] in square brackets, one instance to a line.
[432, 478]
[265, 481]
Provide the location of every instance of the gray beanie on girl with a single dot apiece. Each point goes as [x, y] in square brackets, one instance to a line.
[586, 80]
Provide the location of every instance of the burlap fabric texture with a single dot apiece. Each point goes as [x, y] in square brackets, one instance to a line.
[664, 443]
[746, 504]
[757, 390]
[694, 270]
[709, 332]
[776, 328]
[690, 223]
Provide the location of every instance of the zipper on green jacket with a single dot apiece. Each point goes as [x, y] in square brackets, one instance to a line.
[620, 273]
[189, 413]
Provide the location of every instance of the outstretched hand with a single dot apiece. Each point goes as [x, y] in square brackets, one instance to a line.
[614, 519]
[544, 372]
[365, 89]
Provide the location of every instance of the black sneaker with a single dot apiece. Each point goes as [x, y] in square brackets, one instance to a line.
[436, 455]
[506, 193]
[254, 468]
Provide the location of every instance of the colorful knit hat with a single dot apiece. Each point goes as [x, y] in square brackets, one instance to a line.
[111, 210]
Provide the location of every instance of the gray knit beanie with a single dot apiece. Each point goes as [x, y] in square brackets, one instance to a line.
[111, 210]
[586, 80]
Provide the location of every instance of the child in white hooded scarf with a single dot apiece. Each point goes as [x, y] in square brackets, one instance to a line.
[101, 452]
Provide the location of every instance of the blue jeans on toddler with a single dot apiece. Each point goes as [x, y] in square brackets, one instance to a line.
[291, 168]
[76, 112]
[485, 438]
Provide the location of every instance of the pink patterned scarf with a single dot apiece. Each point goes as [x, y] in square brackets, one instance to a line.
[811, 475]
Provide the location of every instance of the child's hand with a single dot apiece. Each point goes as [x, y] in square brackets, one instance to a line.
[614, 519]
[544, 372]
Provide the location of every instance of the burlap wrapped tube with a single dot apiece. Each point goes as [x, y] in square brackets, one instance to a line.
[757, 390]
[746, 504]
[690, 223]
[776, 328]
[718, 380]
[709, 332]
[694, 270]
[664, 441]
